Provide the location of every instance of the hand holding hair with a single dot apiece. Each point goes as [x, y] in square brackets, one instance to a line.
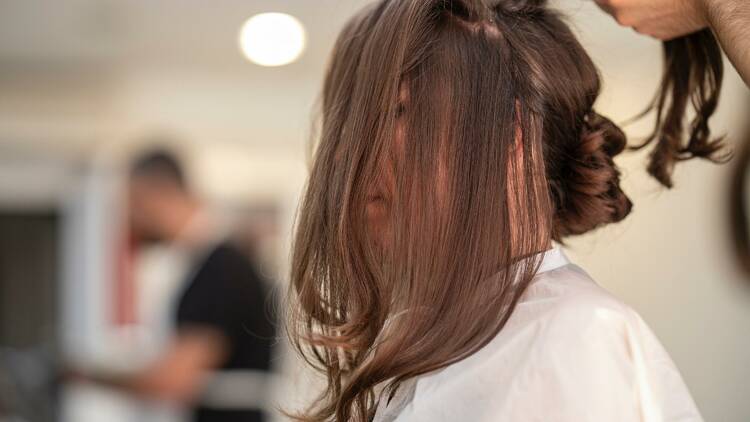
[693, 76]
[669, 19]
[661, 19]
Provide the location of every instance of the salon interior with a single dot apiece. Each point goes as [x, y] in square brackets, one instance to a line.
[231, 88]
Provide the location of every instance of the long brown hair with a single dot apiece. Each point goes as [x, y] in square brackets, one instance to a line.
[693, 74]
[502, 152]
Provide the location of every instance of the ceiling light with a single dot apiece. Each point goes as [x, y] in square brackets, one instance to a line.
[272, 39]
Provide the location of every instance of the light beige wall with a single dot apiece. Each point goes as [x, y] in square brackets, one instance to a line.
[670, 259]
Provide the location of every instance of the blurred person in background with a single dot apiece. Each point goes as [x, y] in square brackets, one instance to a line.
[220, 356]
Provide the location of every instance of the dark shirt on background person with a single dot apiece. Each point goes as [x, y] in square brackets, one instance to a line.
[227, 294]
[218, 359]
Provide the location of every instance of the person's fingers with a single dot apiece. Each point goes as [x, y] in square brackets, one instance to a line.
[647, 31]
[611, 11]
[606, 6]
[624, 16]
[666, 29]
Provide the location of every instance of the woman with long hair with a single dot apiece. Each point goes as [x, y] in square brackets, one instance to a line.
[458, 143]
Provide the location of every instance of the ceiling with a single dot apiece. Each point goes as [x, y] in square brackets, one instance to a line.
[74, 73]
[187, 32]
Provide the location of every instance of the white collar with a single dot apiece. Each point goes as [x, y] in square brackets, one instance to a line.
[553, 259]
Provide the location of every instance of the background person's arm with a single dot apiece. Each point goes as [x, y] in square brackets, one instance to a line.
[668, 19]
[730, 21]
[178, 375]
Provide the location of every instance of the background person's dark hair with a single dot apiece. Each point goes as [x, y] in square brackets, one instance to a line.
[693, 74]
[159, 163]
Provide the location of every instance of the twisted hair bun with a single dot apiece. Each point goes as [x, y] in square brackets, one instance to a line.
[590, 195]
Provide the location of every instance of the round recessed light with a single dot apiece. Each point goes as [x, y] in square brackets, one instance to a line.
[272, 39]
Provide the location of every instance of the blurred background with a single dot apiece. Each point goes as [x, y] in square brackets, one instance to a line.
[86, 84]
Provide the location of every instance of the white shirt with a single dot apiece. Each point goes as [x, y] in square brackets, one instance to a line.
[570, 352]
